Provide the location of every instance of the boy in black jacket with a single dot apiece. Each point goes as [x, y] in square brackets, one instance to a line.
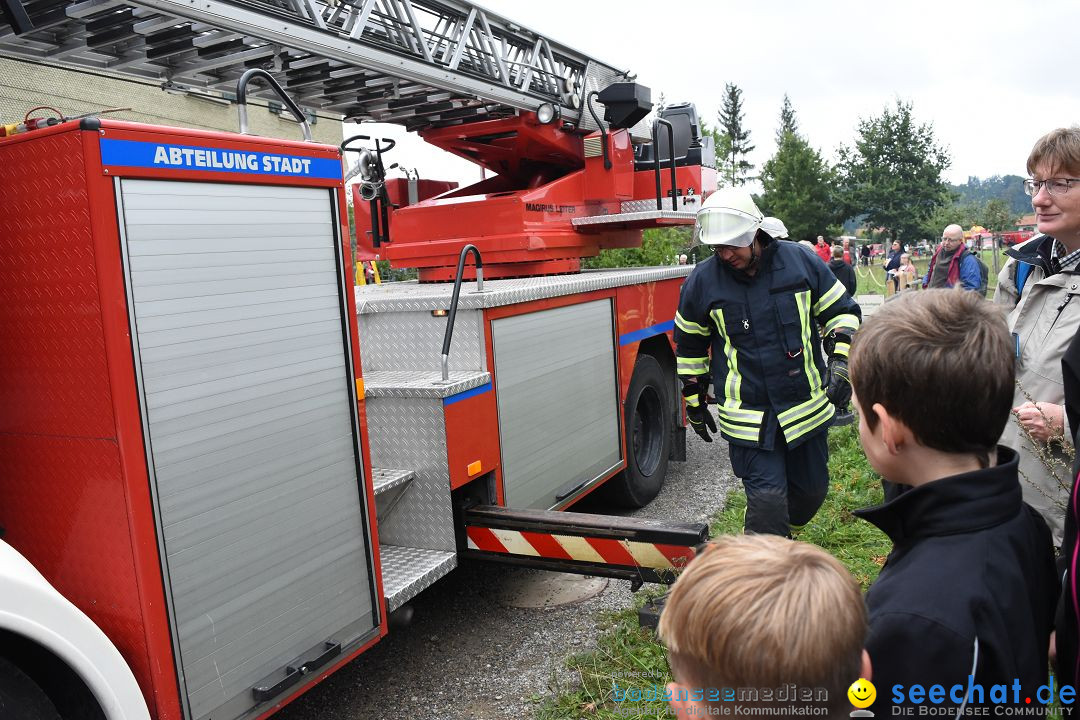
[968, 588]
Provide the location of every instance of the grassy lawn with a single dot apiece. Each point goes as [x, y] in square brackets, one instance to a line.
[631, 656]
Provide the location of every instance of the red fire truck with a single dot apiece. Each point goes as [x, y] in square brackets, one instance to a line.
[1016, 237]
[225, 466]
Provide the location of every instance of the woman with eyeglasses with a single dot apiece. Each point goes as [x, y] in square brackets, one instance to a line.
[1038, 287]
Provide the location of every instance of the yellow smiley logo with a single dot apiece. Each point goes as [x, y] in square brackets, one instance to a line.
[862, 693]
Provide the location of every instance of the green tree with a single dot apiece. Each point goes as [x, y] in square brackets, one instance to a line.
[892, 174]
[997, 215]
[731, 118]
[798, 182]
[1009, 188]
[951, 212]
[660, 246]
[722, 148]
[788, 122]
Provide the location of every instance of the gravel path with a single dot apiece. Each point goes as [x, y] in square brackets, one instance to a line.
[466, 657]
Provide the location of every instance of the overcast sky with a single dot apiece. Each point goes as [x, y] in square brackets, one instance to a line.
[991, 76]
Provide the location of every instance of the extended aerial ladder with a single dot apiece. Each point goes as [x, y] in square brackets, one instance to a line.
[419, 63]
[560, 382]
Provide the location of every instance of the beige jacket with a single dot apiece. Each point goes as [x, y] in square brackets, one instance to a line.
[1043, 322]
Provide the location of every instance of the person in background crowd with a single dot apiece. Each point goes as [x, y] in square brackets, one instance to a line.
[758, 611]
[967, 594]
[1038, 288]
[682, 259]
[892, 262]
[864, 254]
[847, 251]
[843, 272]
[952, 264]
[753, 305]
[907, 272]
[823, 250]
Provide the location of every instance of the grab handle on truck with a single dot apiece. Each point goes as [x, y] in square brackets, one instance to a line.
[241, 101]
[600, 125]
[452, 313]
[671, 158]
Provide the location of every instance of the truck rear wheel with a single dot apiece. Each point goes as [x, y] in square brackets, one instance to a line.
[21, 698]
[647, 415]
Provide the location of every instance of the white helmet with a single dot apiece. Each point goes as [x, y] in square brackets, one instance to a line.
[730, 217]
[775, 227]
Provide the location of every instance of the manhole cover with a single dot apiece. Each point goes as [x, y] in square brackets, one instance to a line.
[543, 589]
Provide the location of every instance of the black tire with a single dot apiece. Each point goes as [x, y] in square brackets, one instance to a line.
[648, 416]
[21, 698]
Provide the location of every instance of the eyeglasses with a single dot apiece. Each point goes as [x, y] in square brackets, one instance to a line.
[1054, 186]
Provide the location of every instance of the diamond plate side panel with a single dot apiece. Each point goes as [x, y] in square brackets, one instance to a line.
[55, 379]
[413, 341]
[63, 497]
[414, 296]
[64, 509]
[409, 433]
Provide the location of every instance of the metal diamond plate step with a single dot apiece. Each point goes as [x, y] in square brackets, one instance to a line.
[384, 479]
[630, 219]
[406, 571]
[426, 384]
[411, 296]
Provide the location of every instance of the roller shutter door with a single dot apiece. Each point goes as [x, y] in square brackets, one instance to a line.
[245, 378]
[558, 400]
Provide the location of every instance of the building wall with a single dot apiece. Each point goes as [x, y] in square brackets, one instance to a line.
[24, 85]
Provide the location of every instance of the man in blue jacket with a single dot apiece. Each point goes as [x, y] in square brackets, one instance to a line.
[746, 321]
[952, 263]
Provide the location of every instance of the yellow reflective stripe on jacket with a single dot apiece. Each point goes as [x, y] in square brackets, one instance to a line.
[740, 432]
[832, 295]
[810, 424]
[733, 383]
[740, 415]
[691, 366]
[689, 326]
[692, 400]
[809, 336]
[797, 413]
[842, 349]
[845, 320]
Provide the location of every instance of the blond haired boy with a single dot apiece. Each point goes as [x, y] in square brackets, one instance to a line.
[759, 612]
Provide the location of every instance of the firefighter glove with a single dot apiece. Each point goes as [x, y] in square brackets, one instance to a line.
[838, 386]
[697, 410]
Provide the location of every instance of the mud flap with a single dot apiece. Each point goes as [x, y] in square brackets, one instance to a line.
[678, 444]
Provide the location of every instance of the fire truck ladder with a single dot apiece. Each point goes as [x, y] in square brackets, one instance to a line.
[418, 63]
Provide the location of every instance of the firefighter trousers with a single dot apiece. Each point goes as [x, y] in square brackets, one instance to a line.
[784, 486]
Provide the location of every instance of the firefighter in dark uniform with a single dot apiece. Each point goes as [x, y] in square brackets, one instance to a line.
[752, 306]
